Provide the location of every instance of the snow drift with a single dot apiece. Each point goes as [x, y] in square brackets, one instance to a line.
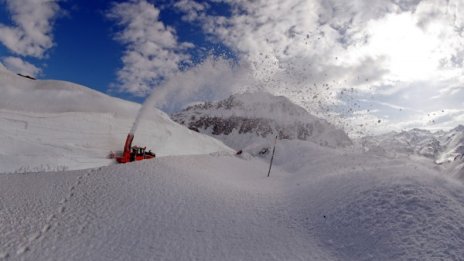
[56, 125]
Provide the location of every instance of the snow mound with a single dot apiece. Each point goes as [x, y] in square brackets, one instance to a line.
[418, 218]
[249, 118]
[364, 207]
[56, 125]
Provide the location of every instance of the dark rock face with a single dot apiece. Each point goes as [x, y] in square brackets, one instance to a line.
[260, 127]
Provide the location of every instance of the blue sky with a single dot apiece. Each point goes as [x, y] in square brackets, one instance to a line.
[355, 63]
[85, 51]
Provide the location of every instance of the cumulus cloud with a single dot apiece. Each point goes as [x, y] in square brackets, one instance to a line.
[397, 52]
[18, 65]
[152, 52]
[193, 11]
[33, 20]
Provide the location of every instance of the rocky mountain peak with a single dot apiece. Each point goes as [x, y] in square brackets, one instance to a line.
[245, 118]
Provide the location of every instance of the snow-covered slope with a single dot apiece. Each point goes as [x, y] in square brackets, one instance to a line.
[324, 204]
[250, 118]
[56, 125]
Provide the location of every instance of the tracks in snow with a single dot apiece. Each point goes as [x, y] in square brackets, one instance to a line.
[51, 221]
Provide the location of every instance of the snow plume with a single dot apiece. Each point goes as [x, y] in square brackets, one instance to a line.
[33, 20]
[18, 65]
[152, 51]
[213, 79]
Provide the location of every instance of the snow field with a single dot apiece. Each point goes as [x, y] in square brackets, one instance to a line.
[222, 207]
[172, 208]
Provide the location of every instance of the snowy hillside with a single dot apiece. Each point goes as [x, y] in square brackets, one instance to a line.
[56, 125]
[318, 204]
[250, 118]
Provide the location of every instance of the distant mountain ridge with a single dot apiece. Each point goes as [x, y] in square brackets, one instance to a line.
[243, 119]
[443, 147]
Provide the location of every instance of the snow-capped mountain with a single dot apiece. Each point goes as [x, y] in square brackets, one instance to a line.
[453, 143]
[249, 118]
[57, 125]
[443, 147]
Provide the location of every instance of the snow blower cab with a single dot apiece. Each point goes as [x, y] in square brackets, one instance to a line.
[133, 153]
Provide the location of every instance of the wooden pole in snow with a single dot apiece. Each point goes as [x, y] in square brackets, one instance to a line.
[272, 157]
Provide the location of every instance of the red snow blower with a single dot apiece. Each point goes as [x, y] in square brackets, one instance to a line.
[132, 153]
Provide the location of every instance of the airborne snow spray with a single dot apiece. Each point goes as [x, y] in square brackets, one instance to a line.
[272, 157]
[137, 119]
[147, 104]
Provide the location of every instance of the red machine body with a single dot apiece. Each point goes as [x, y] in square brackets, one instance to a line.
[133, 153]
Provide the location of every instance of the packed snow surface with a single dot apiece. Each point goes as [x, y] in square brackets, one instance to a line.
[328, 205]
[56, 125]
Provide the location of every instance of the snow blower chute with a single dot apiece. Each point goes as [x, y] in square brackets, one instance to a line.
[133, 153]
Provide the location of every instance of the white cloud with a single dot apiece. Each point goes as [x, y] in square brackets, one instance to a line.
[192, 9]
[32, 33]
[152, 51]
[435, 120]
[18, 65]
[311, 51]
